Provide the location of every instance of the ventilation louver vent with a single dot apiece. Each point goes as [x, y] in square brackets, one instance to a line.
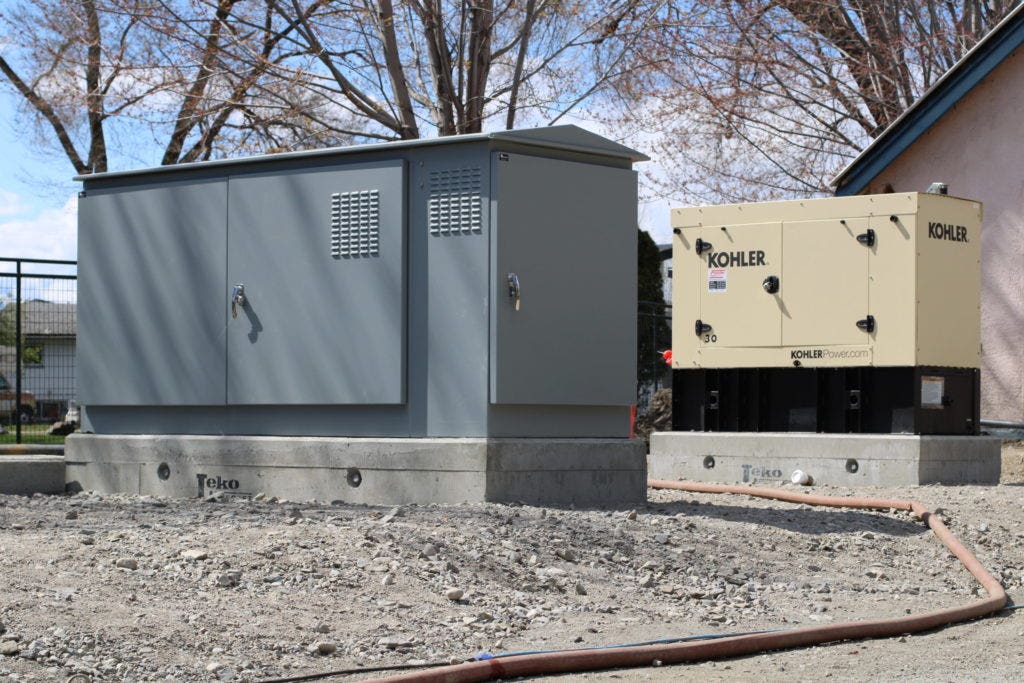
[355, 224]
[454, 207]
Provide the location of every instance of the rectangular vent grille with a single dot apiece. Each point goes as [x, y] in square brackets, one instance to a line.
[454, 207]
[355, 224]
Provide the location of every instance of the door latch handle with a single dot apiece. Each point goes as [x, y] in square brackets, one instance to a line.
[513, 289]
[237, 299]
[867, 238]
[867, 324]
[701, 327]
[701, 246]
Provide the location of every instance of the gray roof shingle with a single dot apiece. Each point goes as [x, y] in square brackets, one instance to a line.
[45, 318]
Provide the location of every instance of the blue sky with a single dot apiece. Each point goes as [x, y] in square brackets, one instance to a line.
[38, 200]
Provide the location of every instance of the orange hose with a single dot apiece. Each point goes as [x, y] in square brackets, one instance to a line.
[644, 655]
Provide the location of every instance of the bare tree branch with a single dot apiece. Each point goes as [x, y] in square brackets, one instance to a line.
[44, 108]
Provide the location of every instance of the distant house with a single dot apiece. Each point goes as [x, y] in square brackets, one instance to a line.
[48, 357]
[966, 132]
[665, 251]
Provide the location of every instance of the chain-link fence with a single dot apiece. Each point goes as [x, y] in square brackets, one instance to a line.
[38, 327]
[654, 337]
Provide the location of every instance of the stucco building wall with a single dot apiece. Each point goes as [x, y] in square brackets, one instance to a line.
[978, 149]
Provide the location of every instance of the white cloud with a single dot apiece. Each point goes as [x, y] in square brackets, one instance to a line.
[46, 233]
[10, 204]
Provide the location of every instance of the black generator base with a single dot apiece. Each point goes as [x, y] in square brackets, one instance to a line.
[859, 400]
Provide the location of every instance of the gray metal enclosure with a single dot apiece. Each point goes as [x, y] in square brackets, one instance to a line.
[377, 291]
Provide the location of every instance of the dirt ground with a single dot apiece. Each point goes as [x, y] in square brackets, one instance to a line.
[1013, 463]
[128, 588]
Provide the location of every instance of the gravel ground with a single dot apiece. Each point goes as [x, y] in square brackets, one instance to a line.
[128, 588]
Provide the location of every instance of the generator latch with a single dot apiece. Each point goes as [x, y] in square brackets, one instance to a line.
[701, 246]
[867, 324]
[867, 238]
[701, 327]
[771, 284]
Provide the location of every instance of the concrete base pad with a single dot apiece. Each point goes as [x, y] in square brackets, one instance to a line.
[837, 459]
[24, 475]
[587, 472]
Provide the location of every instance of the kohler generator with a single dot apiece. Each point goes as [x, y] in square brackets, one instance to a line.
[849, 314]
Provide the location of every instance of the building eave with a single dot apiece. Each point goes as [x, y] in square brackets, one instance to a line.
[939, 99]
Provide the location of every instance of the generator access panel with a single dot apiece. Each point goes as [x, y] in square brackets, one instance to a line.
[847, 314]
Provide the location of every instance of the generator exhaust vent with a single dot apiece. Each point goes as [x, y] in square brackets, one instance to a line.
[454, 205]
[355, 224]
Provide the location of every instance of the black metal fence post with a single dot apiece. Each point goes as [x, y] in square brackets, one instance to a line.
[17, 353]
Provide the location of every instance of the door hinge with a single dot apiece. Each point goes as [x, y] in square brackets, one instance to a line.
[867, 238]
[867, 324]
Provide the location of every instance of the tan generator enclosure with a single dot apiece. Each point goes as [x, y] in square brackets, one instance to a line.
[876, 281]
[889, 279]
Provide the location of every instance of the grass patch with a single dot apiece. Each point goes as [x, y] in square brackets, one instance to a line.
[32, 433]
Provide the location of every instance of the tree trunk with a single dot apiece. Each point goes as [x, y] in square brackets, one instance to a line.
[93, 93]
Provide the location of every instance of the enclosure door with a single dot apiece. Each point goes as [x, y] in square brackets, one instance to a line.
[826, 282]
[737, 261]
[321, 257]
[151, 305]
[566, 232]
